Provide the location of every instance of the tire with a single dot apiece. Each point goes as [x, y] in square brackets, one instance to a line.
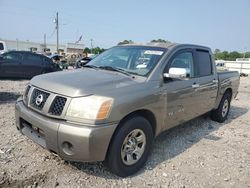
[221, 113]
[135, 133]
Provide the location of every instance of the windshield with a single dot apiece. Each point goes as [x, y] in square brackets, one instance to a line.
[135, 60]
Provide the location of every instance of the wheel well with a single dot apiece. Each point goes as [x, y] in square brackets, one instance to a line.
[230, 91]
[148, 115]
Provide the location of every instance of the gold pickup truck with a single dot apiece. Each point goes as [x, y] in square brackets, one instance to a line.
[112, 109]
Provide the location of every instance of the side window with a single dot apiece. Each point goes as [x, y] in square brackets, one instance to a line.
[184, 60]
[12, 56]
[33, 58]
[204, 63]
[1, 46]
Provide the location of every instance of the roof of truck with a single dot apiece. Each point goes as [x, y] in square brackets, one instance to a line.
[168, 45]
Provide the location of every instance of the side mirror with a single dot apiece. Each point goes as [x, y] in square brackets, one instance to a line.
[179, 73]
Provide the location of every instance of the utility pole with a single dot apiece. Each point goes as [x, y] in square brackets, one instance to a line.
[91, 40]
[44, 40]
[17, 43]
[57, 33]
[245, 50]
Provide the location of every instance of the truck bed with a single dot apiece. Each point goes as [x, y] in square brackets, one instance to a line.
[227, 79]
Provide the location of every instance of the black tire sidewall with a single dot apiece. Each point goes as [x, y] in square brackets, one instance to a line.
[217, 114]
[114, 160]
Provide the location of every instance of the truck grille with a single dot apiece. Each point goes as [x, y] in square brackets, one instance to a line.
[38, 99]
[57, 106]
[45, 102]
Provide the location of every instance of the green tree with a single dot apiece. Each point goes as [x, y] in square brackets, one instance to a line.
[97, 50]
[87, 50]
[160, 41]
[231, 56]
[126, 42]
[216, 51]
[222, 55]
[247, 55]
[234, 55]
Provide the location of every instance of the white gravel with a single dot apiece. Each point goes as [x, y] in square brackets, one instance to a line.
[200, 153]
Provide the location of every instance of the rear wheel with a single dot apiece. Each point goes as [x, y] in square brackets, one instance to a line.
[221, 113]
[130, 146]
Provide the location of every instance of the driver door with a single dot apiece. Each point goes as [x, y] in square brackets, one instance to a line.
[181, 95]
[10, 65]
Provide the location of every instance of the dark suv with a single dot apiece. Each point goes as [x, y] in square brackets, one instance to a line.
[24, 64]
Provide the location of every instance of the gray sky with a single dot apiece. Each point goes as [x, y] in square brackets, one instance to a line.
[223, 24]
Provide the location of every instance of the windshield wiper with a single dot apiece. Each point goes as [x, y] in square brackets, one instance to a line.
[90, 66]
[114, 69]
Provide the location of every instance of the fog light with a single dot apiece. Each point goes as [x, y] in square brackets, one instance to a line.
[67, 148]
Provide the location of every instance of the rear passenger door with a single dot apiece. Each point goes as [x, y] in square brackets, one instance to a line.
[33, 64]
[207, 80]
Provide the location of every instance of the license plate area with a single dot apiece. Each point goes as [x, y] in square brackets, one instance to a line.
[33, 132]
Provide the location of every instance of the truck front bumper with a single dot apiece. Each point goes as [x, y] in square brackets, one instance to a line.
[70, 141]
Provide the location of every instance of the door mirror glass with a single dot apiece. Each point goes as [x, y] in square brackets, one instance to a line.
[177, 73]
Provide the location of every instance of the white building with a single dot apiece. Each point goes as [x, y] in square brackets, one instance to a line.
[69, 48]
[240, 65]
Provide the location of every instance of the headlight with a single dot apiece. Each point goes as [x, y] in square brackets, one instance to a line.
[91, 107]
[26, 92]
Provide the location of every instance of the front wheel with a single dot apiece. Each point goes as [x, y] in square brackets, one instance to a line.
[130, 146]
[221, 113]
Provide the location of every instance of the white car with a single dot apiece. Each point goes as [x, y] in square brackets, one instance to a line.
[3, 47]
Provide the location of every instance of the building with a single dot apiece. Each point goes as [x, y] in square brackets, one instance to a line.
[247, 60]
[69, 48]
[240, 65]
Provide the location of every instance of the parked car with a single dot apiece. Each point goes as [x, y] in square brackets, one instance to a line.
[60, 60]
[3, 47]
[24, 64]
[113, 108]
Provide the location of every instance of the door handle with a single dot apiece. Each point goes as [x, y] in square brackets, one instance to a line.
[215, 81]
[195, 85]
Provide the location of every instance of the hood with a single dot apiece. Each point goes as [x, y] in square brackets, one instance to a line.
[82, 82]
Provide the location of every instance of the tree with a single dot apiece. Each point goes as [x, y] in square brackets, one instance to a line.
[126, 42]
[87, 50]
[216, 51]
[234, 55]
[160, 41]
[97, 50]
[247, 55]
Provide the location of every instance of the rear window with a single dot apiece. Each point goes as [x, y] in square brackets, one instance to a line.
[204, 63]
[1, 46]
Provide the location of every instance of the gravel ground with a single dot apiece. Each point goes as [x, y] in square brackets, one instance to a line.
[200, 153]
